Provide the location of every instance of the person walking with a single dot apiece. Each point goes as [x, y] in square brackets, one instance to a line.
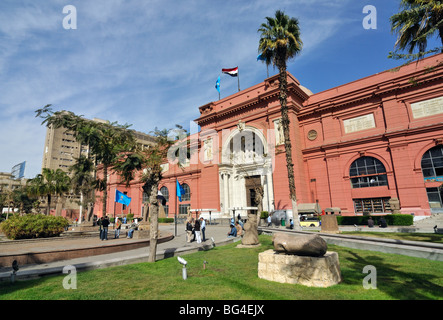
[118, 226]
[269, 220]
[197, 231]
[203, 228]
[105, 224]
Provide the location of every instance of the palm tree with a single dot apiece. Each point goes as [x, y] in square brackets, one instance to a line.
[280, 41]
[82, 181]
[106, 141]
[151, 160]
[9, 198]
[416, 23]
[42, 186]
[62, 185]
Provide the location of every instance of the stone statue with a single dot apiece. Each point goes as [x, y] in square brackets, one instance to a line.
[189, 214]
[251, 231]
[208, 150]
[302, 245]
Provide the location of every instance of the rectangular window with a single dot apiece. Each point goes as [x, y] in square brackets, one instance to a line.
[372, 205]
[183, 208]
[434, 197]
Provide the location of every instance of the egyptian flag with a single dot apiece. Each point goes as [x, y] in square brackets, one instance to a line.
[161, 198]
[233, 72]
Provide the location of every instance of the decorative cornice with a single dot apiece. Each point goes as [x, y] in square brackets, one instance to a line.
[406, 81]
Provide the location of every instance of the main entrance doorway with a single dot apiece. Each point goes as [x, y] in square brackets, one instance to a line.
[251, 185]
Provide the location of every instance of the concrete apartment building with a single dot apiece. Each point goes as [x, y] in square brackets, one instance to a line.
[61, 149]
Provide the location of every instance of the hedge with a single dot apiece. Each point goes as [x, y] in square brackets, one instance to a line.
[33, 226]
[391, 220]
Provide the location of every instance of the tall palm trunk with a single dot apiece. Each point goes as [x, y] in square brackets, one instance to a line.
[105, 190]
[153, 214]
[283, 87]
[48, 212]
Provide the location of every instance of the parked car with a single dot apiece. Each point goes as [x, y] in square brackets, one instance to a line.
[309, 222]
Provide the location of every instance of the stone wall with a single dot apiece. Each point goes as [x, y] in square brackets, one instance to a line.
[309, 271]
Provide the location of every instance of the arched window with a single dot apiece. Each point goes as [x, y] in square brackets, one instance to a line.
[165, 193]
[368, 172]
[245, 147]
[187, 195]
[432, 163]
[432, 168]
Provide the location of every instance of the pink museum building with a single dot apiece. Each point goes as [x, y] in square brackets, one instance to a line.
[354, 147]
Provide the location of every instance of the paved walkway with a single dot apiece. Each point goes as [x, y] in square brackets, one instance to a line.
[176, 246]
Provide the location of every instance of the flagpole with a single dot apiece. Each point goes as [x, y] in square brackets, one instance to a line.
[238, 78]
[115, 195]
[176, 205]
[176, 209]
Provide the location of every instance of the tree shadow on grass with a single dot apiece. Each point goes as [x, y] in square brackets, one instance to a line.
[391, 278]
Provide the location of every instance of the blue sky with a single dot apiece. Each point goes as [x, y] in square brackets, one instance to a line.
[153, 63]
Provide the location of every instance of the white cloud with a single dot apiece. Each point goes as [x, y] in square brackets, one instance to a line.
[149, 63]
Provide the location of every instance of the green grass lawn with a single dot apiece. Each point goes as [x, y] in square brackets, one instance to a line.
[428, 237]
[231, 274]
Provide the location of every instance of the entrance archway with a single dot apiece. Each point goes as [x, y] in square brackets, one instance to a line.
[246, 163]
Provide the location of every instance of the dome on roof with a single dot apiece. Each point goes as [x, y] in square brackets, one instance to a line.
[306, 90]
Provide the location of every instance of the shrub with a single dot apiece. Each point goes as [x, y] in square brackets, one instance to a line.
[33, 226]
[391, 220]
[264, 215]
[165, 220]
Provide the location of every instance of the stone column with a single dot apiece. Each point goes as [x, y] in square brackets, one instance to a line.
[226, 192]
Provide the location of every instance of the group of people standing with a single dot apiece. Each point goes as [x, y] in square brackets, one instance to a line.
[196, 228]
[104, 223]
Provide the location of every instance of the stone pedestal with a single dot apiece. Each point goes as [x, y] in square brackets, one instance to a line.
[309, 271]
[329, 224]
[141, 234]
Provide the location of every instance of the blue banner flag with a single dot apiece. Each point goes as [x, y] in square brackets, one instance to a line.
[180, 191]
[120, 197]
[217, 84]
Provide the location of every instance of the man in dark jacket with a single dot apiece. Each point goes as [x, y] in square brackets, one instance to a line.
[105, 224]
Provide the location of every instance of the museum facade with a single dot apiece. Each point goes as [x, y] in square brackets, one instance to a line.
[356, 147]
